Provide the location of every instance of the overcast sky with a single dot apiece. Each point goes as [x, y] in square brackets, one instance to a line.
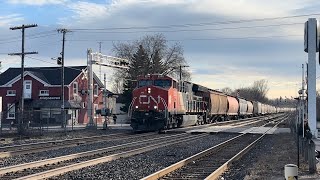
[222, 44]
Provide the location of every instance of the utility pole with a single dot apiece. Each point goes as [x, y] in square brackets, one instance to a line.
[105, 98]
[63, 31]
[302, 100]
[91, 124]
[180, 67]
[100, 75]
[22, 54]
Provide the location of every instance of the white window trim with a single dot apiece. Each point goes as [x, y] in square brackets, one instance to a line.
[95, 90]
[40, 94]
[15, 92]
[14, 111]
[73, 89]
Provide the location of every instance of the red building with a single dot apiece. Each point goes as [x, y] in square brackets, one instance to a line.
[42, 95]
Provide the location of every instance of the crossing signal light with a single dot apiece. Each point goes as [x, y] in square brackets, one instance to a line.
[59, 61]
[124, 63]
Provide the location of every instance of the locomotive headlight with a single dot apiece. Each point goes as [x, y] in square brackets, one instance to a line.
[136, 107]
[149, 90]
[155, 107]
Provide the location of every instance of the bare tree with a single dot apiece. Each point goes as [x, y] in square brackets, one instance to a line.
[261, 86]
[227, 90]
[257, 92]
[163, 59]
[117, 85]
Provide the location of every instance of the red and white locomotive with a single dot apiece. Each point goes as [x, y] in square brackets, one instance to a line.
[161, 102]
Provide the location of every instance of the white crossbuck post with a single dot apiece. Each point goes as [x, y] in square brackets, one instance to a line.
[311, 47]
[103, 60]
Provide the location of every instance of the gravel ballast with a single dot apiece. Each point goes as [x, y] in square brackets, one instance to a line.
[142, 165]
[10, 161]
[53, 136]
[267, 159]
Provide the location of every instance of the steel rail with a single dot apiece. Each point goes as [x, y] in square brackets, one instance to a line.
[214, 175]
[76, 166]
[254, 122]
[69, 143]
[174, 167]
[43, 162]
[6, 148]
[220, 123]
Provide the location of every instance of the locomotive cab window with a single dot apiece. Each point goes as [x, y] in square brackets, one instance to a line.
[144, 83]
[163, 83]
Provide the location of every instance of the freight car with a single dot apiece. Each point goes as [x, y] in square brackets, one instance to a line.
[161, 102]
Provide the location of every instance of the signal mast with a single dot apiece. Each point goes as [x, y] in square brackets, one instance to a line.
[102, 60]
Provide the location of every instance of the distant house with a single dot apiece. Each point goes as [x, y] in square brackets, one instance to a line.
[42, 95]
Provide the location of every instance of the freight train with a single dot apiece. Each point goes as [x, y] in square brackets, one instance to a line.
[160, 102]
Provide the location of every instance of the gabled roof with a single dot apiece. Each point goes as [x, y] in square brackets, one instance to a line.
[49, 75]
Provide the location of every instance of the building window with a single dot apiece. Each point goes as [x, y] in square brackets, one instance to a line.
[11, 93]
[96, 90]
[75, 88]
[11, 111]
[44, 93]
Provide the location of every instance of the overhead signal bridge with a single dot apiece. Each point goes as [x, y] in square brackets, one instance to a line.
[109, 61]
[102, 60]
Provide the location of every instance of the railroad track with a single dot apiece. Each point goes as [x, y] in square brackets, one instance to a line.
[266, 121]
[56, 166]
[9, 151]
[213, 162]
[236, 123]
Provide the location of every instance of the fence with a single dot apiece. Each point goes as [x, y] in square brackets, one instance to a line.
[36, 121]
[307, 151]
[305, 145]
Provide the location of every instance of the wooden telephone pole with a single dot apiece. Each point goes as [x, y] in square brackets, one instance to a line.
[22, 54]
[63, 114]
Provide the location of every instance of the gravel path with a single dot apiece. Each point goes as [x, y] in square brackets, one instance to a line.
[70, 150]
[141, 165]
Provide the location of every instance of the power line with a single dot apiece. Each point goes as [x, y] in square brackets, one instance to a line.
[30, 38]
[192, 39]
[37, 59]
[191, 30]
[200, 24]
[45, 61]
